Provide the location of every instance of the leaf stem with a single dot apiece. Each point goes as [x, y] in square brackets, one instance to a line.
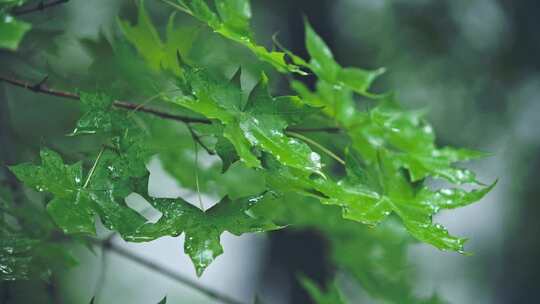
[196, 150]
[317, 145]
[320, 129]
[93, 169]
[178, 7]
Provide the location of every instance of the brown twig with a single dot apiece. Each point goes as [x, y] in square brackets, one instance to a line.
[108, 245]
[137, 107]
[41, 6]
[196, 137]
[42, 88]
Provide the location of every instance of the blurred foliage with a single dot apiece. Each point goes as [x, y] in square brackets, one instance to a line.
[332, 295]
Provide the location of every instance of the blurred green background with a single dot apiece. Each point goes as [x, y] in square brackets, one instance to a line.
[473, 63]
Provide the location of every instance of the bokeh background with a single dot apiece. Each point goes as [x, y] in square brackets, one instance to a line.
[474, 64]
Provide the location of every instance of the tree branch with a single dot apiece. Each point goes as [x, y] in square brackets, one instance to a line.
[108, 245]
[41, 6]
[42, 88]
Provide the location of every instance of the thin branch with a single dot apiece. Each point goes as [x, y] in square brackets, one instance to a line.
[39, 88]
[198, 139]
[41, 6]
[166, 272]
[100, 284]
[42, 88]
[137, 107]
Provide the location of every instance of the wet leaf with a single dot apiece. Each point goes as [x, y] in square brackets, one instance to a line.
[70, 209]
[414, 204]
[232, 21]
[411, 141]
[251, 126]
[159, 54]
[203, 228]
[323, 64]
[98, 114]
[371, 193]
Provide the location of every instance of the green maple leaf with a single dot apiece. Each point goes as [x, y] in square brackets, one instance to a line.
[123, 135]
[411, 141]
[159, 54]
[264, 120]
[246, 127]
[231, 19]
[203, 228]
[98, 115]
[75, 204]
[404, 134]
[335, 85]
[336, 102]
[116, 173]
[112, 181]
[323, 64]
[146, 38]
[415, 205]
[370, 194]
[70, 208]
[257, 124]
